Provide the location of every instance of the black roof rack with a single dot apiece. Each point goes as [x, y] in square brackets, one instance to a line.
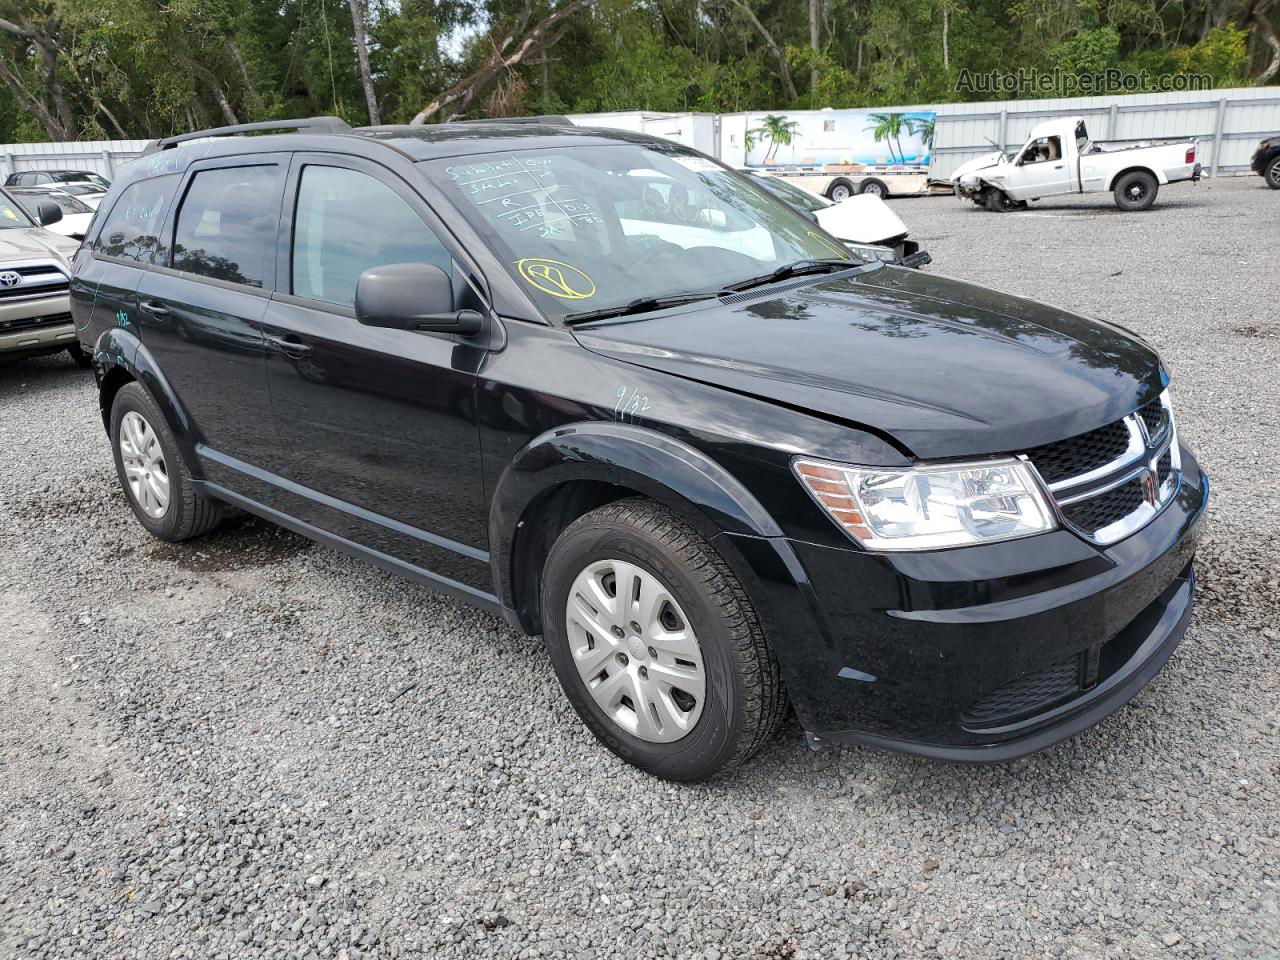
[553, 119]
[310, 124]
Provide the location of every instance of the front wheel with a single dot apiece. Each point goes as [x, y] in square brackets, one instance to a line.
[1136, 191]
[1272, 175]
[656, 643]
[840, 190]
[1000, 202]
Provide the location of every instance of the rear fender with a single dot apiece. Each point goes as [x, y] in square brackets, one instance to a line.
[119, 355]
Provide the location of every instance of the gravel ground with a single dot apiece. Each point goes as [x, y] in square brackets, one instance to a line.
[250, 746]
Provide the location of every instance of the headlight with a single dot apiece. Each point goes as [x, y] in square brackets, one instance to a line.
[872, 251]
[931, 505]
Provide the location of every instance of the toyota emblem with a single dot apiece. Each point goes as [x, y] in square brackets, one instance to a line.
[10, 278]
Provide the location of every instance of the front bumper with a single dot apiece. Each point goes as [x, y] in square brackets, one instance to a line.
[36, 335]
[981, 653]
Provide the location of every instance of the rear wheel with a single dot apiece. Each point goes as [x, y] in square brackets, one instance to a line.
[875, 188]
[1272, 175]
[155, 478]
[1136, 191]
[656, 644]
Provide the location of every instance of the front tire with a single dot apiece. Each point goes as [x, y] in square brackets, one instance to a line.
[1136, 191]
[1000, 202]
[874, 187]
[656, 643]
[840, 190]
[1272, 174]
[155, 477]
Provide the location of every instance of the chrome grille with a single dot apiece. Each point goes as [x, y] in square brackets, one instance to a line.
[1112, 481]
[31, 280]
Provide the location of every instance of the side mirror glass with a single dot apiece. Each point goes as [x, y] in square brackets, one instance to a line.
[411, 296]
[48, 213]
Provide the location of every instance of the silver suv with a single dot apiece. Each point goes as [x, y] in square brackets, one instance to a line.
[35, 317]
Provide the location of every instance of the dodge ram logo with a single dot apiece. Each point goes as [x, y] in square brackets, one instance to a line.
[10, 278]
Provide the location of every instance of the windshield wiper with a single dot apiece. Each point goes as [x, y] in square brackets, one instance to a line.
[641, 305]
[797, 269]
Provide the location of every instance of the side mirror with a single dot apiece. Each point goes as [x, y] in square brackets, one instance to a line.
[48, 213]
[411, 296]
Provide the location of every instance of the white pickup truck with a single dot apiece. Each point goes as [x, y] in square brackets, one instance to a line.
[1059, 158]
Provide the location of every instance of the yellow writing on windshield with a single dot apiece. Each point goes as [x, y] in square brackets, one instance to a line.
[558, 279]
[839, 251]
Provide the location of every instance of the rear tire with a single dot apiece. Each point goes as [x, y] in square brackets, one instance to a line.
[155, 477]
[876, 188]
[715, 694]
[1272, 174]
[1136, 191]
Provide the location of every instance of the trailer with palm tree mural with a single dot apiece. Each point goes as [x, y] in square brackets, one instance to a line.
[839, 153]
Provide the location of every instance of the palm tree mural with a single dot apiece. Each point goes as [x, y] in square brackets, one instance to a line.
[887, 128]
[779, 131]
[924, 127]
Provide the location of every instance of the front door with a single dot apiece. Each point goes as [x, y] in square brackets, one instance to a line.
[1042, 170]
[377, 427]
[200, 309]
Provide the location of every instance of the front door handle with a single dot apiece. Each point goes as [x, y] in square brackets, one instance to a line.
[153, 307]
[1058, 167]
[290, 346]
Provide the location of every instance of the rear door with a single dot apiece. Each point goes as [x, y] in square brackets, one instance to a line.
[377, 427]
[200, 308]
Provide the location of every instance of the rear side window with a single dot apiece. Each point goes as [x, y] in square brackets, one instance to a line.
[347, 222]
[132, 228]
[227, 224]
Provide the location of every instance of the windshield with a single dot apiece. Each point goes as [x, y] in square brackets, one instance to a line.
[65, 202]
[790, 193]
[12, 216]
[594, 227]
[80, 177]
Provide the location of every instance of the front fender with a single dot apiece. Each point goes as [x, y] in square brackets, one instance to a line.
[651, 463]
[119, 355]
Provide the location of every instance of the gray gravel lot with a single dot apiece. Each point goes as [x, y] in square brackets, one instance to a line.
[250, 746]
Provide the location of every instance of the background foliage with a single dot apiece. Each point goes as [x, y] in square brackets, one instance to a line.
[142, 68]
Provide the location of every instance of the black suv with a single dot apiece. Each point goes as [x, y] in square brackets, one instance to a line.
[610, 389]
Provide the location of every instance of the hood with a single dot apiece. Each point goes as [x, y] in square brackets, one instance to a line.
[861, 218]
[35, 242]
[945, 368]
[993, 159]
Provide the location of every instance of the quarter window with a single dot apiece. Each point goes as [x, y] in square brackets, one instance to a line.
[346, 222]
[132, 229]
[227, 224]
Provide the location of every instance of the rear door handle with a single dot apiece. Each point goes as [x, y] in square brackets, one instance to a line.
[153, 307]
[289, 345]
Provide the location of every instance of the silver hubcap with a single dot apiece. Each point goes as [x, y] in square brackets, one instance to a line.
[144, 466]
[635, 651]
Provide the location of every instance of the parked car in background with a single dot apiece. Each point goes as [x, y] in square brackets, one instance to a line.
[864, 222]
[605, 387]
[76, 214]
[1266, 161]
[1059, 158]
[34, 315]
[41, 178]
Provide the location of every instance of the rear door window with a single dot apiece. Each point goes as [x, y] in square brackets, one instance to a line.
[226, 227]
[131, 230]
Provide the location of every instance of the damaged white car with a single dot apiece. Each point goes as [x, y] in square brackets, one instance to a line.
[863, 222]
[1059, 158]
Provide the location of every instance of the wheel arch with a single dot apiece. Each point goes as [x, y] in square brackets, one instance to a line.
[566, 472]
[119, 357]
[1138, 168]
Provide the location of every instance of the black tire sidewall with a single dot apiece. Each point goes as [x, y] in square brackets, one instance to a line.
[711, 742]
[1153, 187]
[840, 185]
[868, 186]
[1272, 174]
[133, 397]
